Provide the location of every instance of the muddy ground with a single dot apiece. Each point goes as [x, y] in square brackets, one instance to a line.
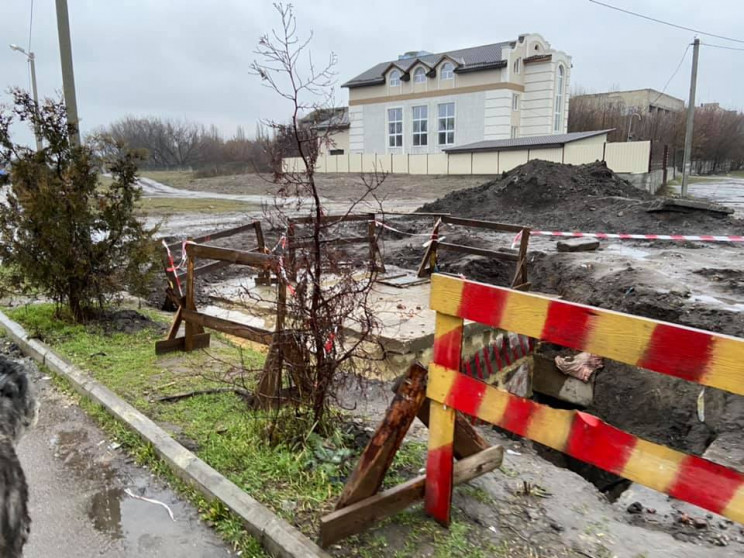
[693, 284]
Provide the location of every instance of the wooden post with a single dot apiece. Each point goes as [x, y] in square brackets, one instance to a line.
[520, 277]
[264, 276]
[447, 352]
[190, 305]
[367, 477]
[291, 256]
[430, 255]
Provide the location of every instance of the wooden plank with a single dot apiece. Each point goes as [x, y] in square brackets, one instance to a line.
[430, 254]
[200, 341]
[686, 477]
[366, 478]
[491, 225]
[520, 277]
[361, 515]
[342, 241]
[212, 266]
[447, 352]
[177, 319]
[478, 251]
[190, 304]
[232, 256]
[217, 235]
[707, 358]
[243, 331]
[334, 219]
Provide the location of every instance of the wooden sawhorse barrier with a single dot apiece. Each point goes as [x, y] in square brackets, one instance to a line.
[693, 355]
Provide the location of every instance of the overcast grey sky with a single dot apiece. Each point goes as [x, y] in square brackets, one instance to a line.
[190, 58]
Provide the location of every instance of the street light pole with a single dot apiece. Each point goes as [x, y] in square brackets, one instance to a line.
[32, 63]
[68, 76]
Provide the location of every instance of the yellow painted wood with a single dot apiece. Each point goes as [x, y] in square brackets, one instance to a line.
[550, 427]
[525, 315]
[726, 365]
[446, 294]
[735, 508]
[624, 336]
[441, 426]
[613, 335]
[653, 465]
[493, 405]
[439, 383]
[444, 324]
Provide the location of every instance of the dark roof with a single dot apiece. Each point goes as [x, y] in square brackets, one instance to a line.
[339, 119]
[466, 60]
[553, 140]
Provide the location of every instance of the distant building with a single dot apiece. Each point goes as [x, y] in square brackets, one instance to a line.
[426, 103]
[640, 101]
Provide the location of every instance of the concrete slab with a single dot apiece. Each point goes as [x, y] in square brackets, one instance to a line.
[548, 380]
[578, 245]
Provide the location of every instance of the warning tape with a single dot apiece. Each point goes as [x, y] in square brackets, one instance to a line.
[173, 268]
[622, 236]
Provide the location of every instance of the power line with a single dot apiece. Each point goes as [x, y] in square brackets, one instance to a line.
[672, 76]
[666, 22]
[722, 46]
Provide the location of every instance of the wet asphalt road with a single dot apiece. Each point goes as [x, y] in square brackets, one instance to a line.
[78, 503]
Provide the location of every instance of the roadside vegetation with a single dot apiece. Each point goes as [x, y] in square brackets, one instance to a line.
[298, 482]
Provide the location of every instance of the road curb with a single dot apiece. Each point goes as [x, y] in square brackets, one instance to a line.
[277, 536]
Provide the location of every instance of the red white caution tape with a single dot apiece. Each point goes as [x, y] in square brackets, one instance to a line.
[173, 268]
[622, 236]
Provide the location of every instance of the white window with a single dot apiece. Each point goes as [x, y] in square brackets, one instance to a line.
[515, 132]
[558, 122]
[447, 124]
[394, 78]
[395, 127]
[448, 71]
[517, 64]
[419, 76]
[420, 126]
[515, 101]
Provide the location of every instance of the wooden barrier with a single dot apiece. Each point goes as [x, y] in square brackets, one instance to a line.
[174, 275]
[694, 355]
[195, 322]
[295, 242]
[519, 282]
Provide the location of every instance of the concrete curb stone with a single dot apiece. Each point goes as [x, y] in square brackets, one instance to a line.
[277, 536]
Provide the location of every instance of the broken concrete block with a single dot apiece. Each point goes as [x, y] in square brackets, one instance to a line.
[687, 205]
[548, 380]
[578, 245]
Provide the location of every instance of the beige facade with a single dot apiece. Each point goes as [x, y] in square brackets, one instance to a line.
[522, 91]
[637, 100]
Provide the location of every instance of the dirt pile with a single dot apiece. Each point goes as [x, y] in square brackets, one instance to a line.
[587, 198]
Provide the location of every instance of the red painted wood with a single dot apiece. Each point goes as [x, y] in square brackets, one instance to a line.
[447, 349]
[466, 394]
[566, 324]
[439, 484]
[678, 352]
[705, 484]
[598, 443]
[482, 303]
[518, 414]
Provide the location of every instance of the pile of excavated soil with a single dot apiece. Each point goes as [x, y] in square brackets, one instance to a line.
[587, 198]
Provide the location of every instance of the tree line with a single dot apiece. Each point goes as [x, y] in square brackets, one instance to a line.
[718, 138]
[184, 144]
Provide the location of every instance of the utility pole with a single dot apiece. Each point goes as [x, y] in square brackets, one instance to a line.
[687, 163]
[68, 76]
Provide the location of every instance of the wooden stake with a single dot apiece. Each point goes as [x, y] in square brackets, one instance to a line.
[359, 516]
[367, 477]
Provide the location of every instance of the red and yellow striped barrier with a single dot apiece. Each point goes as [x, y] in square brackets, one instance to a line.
[694, 355]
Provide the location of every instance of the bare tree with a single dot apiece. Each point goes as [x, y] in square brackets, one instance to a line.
[328, 324]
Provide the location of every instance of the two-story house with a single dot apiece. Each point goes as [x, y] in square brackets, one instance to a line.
[424, 103]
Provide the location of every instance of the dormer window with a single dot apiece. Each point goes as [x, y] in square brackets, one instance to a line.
[419, 76]
[394, 79]
[448, 71]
